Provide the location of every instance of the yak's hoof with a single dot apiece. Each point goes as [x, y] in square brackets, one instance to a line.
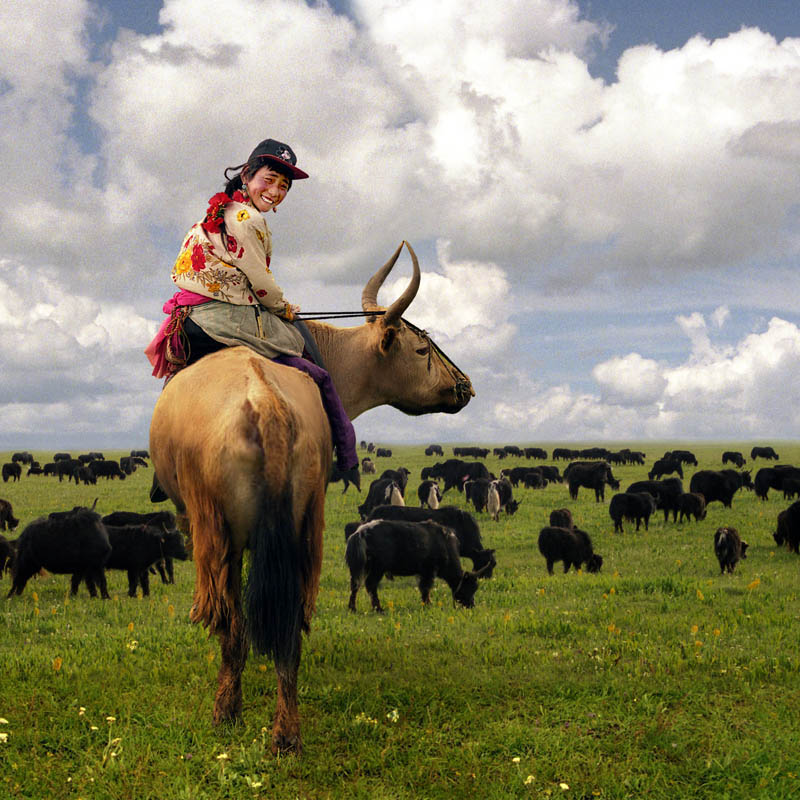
[227, 712]
[286, 745]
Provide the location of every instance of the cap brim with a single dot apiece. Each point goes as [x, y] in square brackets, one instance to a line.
[296, 172]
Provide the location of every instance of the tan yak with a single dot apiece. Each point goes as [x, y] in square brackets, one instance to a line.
[242, 446]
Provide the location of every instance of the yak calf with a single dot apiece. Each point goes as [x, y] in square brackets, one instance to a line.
[729, 548]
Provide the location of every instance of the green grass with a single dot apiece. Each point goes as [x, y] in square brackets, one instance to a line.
[656, 678]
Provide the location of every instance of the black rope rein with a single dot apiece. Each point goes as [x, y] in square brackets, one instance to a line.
[461, 388]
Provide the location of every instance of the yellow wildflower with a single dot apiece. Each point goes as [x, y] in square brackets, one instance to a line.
[700, 595]
[3, 738]
[753, 584]
[130, 627]
[694, 629]
[57, 662]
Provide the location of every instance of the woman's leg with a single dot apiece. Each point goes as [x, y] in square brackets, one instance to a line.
[344, 436]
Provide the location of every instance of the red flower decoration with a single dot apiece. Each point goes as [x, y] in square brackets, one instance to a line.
[238, 197]
[215, 213]
[261, 292]
[198, 258]
[232, 243]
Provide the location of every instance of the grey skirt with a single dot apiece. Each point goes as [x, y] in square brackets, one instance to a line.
[253, 326]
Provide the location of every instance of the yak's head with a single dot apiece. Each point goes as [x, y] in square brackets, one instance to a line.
[594, 562]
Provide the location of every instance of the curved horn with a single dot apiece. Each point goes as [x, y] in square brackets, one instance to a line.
[395, 311]
[369, 297]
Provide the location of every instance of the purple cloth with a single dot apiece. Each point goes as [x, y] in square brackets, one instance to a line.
[342, 432]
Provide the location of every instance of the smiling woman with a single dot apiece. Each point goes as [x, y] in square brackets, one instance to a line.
[227, 294]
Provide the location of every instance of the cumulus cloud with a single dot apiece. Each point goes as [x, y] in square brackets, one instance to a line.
[722, 391]
[69, 363]
[482, 130]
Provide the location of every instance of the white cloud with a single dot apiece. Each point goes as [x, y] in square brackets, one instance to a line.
[630, 380]
[482, 128]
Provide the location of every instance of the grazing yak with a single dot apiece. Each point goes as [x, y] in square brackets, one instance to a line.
[12, 470]
[381, 491]
[251, 472]
[665, 466]
[344, 475]
[763, 452]
[691, 504]
[666, 493]
[429, 494]
[734, 457]
[788, 531]
[570, 545]
[729, 548]
[684, 456]
[434, 450]
[632, 506]
[476, 491]
[462, 523]
[135, 548]
[454, 472]
[719, 485]
[7, 518]
[102, 468]
[399, 476]
[368, 466]
[64, 543]
[501, 498]
[426, 549]
[159, 521]
[773, 478]
[592, 475]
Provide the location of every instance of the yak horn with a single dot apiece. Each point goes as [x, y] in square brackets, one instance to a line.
[369, 297]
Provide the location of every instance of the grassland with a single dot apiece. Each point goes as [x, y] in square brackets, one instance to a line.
[656, 678]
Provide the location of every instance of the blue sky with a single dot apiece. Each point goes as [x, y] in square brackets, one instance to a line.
[605, 205]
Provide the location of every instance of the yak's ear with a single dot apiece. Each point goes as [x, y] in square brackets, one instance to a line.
[387, 338]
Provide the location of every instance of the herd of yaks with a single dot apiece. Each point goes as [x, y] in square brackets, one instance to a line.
[82, 543]
[426, 541]
[391, 538]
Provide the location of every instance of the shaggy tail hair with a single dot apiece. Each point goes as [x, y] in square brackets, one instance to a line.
[273, 596]
[355, 555]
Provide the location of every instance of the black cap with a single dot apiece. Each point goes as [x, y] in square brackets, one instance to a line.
[281, 154]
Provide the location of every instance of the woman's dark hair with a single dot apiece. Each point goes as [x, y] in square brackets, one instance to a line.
[235, 181]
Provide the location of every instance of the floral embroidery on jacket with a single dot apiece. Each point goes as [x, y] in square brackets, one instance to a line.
[234, 267]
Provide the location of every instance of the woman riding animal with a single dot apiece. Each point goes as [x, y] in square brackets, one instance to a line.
[228, 295]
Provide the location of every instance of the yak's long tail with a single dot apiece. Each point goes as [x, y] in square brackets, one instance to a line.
[274, 600]
[355, 555]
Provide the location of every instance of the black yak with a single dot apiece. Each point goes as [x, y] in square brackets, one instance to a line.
[425, 549]
[729, 548]
[65, 543]
[573, 547]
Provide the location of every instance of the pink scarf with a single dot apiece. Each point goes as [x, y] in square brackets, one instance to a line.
[170, 333]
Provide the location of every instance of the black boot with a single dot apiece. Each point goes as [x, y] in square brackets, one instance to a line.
[157, 494]
[352, 475]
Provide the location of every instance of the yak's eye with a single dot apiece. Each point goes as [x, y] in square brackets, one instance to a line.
[423, 351]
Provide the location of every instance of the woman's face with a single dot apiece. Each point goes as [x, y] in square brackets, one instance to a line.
[267, 188]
